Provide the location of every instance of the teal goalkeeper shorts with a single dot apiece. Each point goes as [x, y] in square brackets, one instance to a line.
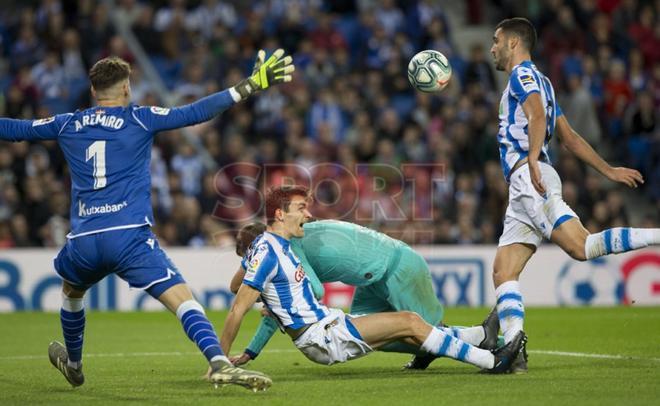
[407, 286]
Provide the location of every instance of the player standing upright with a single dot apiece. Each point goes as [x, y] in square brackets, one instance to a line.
[529, 116]
[108, 149]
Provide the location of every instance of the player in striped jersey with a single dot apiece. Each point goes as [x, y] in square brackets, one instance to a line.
[529, 116]
[387, 273]
[324, 335]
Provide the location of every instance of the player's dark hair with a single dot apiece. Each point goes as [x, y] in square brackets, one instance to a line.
[108, 72]
[279, 197]
[246, 235]
[522, 28]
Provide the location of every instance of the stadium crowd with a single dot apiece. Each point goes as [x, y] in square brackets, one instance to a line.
[424, 168]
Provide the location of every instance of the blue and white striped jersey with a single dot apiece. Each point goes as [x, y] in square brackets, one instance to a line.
[512, 136]
[273, 269]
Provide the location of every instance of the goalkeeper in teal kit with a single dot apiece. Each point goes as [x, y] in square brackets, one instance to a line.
[387, 273]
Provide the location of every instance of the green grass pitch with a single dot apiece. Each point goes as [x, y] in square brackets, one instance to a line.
[579, 356]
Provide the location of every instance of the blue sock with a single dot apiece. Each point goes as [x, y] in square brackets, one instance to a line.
[199, 329]
[72, 317]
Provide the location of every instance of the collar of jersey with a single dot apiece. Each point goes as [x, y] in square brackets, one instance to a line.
[526, 63]
[282, 240]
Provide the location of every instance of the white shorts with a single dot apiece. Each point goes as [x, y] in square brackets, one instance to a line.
[329, 341]
[530, 216]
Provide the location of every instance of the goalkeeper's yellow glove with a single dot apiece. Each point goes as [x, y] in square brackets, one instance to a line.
[277, 69]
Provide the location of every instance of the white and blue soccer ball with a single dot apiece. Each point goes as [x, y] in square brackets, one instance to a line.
[429, 71]
[591, 283]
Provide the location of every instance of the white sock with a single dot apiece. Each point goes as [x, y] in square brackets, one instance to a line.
[620, 239]
[222, 358]
[71, 304]
[74, 365]
[445, 345]
[471, 335]
[510, 309]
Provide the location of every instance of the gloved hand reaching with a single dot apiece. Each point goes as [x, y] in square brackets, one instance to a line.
[277, 69]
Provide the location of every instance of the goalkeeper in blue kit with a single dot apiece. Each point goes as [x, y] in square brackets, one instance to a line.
[108, 149]
[388, 275]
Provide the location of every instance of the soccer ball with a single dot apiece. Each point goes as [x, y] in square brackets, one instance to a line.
[429, 71]
[595, 282]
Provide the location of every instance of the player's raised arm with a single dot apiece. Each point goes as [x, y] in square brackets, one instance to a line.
[33, 130]
[573, 142]
[266, 73]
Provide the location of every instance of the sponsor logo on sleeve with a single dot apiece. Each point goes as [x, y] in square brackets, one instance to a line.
[254, 264]
[257, 257]
[526, 79]
[161, 111]
[43, 121]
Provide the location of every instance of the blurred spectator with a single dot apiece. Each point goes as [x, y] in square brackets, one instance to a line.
[478, 70]
[189, 166]
[618, 94]
[580, 110]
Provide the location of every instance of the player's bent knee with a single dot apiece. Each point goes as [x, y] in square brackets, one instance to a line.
[577, 253]
[502, 274]
[576, 249]
[412, 319]
[71, 292]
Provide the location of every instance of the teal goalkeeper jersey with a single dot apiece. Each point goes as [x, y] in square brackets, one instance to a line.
[333, 251]
[346, 252]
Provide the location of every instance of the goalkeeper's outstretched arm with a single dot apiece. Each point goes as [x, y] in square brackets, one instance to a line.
[277, 69]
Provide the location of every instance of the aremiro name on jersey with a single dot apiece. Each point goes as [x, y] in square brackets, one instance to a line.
[109, 121]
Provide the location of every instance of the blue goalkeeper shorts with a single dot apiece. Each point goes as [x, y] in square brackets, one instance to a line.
[133, 254]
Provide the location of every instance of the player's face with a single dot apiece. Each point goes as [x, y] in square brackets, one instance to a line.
[500, 50]
[297, 216]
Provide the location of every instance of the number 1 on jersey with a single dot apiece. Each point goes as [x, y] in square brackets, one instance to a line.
[96, 151]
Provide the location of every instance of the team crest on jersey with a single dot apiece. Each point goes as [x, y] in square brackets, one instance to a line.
[300, 273]
[161, 111]
[43, 121]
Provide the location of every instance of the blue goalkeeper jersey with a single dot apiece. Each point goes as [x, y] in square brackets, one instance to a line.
[108, 150]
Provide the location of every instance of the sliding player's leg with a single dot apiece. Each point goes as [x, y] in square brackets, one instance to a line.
[371, 299]
[381, 328]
